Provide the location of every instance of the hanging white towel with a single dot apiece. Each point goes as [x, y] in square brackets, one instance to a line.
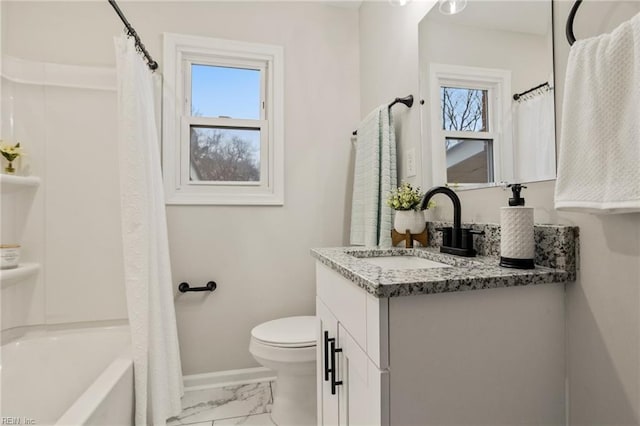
[535, 150]
[599, 152]
[374, 177]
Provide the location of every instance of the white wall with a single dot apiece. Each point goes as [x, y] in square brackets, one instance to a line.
[487, 48]
[259, 256]
[389, 69]
[603, 305]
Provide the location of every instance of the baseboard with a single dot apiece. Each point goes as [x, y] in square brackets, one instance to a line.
[227, 378]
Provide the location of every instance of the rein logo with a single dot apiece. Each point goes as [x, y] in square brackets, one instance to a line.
[17, 421]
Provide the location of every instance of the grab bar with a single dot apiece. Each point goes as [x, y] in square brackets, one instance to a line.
[184, 287]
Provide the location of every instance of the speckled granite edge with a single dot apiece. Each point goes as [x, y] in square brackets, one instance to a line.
[464, 274]
[556, 256]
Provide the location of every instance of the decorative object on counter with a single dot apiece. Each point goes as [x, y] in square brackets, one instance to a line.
[10, 256]
[408, 222]
[405, 200]
[10, 153]
[517, 243]
[184, 287]
[408, 238]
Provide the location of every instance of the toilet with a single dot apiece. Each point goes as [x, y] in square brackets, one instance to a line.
[288, 346]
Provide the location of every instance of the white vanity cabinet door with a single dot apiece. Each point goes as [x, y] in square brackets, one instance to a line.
[363, 315]
[327, 328]
[363, 393]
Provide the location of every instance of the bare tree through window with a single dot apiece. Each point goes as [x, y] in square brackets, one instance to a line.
[469, 156]
[464, 110]
[225, 155]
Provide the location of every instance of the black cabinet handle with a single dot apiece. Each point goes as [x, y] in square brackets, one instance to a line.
[334, 367]
[327, 368]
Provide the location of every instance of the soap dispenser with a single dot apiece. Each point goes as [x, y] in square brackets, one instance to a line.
[517, 244]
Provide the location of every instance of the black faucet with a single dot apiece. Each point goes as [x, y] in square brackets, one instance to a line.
[455, 240]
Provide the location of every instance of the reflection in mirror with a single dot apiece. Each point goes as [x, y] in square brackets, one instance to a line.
[475, 132]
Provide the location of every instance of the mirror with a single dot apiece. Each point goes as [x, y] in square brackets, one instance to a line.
[474, 133]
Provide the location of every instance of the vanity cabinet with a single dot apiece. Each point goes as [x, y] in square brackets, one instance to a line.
[490, 356]
[350, 385]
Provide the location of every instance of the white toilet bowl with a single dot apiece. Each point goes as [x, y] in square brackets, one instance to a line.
[288, 346]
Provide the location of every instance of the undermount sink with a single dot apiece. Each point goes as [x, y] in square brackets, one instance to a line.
[404, 262]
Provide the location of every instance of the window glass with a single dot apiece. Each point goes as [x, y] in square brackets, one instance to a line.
[225, 92]
[224, 154]
[469, 160]
[464, 110]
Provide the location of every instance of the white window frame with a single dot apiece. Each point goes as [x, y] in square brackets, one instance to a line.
[497, 82]
[180, 52]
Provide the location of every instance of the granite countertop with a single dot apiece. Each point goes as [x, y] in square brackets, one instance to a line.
[474, 273]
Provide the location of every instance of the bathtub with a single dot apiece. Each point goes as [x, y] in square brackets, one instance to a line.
[70, 377]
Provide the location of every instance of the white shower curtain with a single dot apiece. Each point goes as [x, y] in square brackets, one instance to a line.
[535, 150]
[156, 356]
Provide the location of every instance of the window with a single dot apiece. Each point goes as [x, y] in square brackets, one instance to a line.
[469, 140]
[467, 134]
[222, 122]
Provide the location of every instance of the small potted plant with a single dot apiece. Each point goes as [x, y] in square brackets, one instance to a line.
[10, 153]
[406, 202]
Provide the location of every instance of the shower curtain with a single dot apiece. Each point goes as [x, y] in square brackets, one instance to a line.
[535, 150]
[156, 356]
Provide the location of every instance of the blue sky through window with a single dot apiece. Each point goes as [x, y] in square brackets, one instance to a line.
[225, 91]
[230, 92]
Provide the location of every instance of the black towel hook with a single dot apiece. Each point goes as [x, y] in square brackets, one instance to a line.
[569, 29]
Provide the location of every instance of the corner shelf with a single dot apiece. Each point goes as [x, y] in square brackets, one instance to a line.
[12, 183]
[24, 270]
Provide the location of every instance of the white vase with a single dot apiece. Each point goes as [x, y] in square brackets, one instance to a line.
[409, 219]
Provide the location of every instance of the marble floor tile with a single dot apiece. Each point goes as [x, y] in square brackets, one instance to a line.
[255, 420]
[224, 403]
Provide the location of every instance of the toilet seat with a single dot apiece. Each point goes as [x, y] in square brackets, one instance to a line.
[291, 332]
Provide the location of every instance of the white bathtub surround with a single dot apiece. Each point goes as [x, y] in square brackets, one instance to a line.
[598, 157]
[237, 404]
[36, 372]
[374, 177]
[156, 356]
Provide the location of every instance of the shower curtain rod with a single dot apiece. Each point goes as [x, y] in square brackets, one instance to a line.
[153, 65]
[539, 86]
[407, 100]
